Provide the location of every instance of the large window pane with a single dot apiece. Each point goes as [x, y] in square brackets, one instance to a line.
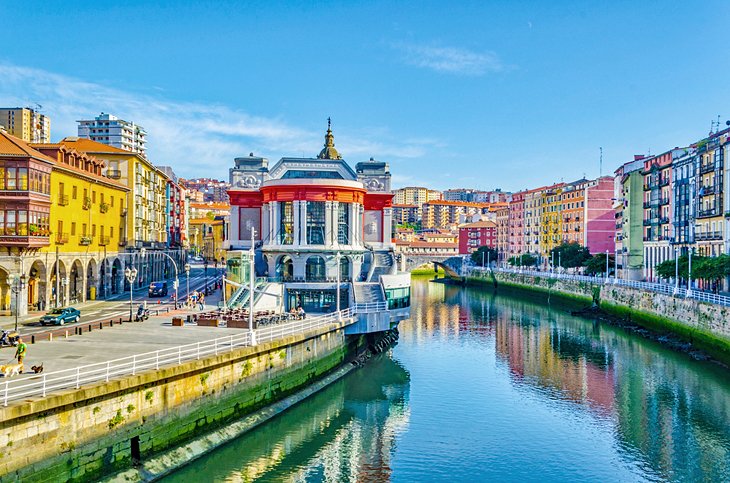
[315, 270]
[343, 224]
[286, 226]
[22, 178]
[315, 222]
[11, 182]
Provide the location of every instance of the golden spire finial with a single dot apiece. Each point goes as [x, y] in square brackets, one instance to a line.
[329, 151]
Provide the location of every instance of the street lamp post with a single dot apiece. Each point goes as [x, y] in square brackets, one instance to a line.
[689, 275]
[17, 286]
[560, 264]
[64, 283]
[676, 270]
[130, 274]
[606, 265]
[187, 280]
[205, 267]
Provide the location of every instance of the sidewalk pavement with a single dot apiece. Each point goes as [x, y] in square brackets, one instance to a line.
[119, 341]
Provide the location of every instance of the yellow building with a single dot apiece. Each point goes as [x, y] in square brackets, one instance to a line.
[208, 237]
[27, 124]
[551, 220]
[146, 203]
[87, 210]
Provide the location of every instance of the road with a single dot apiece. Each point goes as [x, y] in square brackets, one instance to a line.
[118, 305]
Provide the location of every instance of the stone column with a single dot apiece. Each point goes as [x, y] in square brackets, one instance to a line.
[296, 212]
[274, 222]
[328, 225]
[352, 229]
[264, 213]
[302, 231]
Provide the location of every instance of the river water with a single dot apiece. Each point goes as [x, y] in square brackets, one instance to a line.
[494, 388]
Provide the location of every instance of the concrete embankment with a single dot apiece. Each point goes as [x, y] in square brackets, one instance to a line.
[706, 326]
[85, 433]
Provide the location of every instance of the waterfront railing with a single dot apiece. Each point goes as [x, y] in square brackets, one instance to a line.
[661, 288]
[44, 384]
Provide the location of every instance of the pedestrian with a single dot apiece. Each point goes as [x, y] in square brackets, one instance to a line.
[201, 301]
[21, 350]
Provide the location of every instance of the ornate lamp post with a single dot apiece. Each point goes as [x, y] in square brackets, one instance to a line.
[64, 283]
[17, 286]
[339, 276]
[130, 274]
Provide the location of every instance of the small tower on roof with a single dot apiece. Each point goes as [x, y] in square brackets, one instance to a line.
[329, 151]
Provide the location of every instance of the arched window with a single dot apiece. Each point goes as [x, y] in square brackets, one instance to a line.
[344, 269]
[285, 268]
[315, 271]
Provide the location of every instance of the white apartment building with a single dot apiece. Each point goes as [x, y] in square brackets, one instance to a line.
[109, 129]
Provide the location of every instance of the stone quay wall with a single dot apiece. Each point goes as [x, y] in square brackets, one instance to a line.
[705, 325]
[86, 433]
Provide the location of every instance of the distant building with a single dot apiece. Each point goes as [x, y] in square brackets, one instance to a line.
[406, 214]
[109, 129]
[26, 123]
[476, 196]
[415, 195]
[419, 247]
[475, 235]
[216, 191]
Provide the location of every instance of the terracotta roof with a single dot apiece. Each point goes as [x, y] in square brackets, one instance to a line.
[458, 203]
[480, 224]
[425, 244]
[13, 146]
[89, 146]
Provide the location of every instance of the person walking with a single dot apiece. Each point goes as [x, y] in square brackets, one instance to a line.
[21, 350]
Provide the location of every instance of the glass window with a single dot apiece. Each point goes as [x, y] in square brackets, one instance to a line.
[286, 226]
[344, 268]
[315, 222]
[10, 222]
[22, 178]
[315, 270]
[11, 182]
[343, 224]
[22, 226]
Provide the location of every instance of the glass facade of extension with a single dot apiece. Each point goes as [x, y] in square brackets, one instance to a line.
[398, 298]
[316, 301]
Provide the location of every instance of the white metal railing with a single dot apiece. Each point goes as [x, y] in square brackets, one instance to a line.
[662, 288]
[370, 307]
[42, 385]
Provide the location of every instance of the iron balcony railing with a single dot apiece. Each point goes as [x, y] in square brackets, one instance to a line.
[47, 383]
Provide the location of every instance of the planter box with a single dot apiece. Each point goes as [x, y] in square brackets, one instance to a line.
[239, 324]
[177, 322]
[207, 322]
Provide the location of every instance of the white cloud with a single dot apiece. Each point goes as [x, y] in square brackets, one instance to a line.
[195, 139]
[452, 60]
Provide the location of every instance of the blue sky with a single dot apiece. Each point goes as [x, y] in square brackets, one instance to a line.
[453, 94]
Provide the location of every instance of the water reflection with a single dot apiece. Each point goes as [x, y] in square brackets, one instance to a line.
[499, 388]
[344, 433]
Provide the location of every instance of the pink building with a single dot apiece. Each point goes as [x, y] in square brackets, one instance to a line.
[516, 225]
[600, 222]
[477, 234]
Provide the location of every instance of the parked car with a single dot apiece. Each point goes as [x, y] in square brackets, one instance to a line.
[61, 316]
[157, 289]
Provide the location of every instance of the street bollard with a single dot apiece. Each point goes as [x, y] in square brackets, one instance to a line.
[32, 339]
[66, 334]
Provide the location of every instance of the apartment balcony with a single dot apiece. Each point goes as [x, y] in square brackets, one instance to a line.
[86, 204]
[707, 168]
[708, 235]
[62, 200]
[113, 173]
[104, 207]
[122, 242]
[123, 212]
[103, 241]
[663, 220]
[708, 213]
[708, 190]
[647, 204]
[664, 201]
[61, 238]
[647, 222]
[37, 240]
[85, 240]
[664, 182]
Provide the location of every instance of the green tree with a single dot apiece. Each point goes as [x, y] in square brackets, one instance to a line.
[667, 269]
[484, 254]
[526, 260]
[596, 265]
[570, 255]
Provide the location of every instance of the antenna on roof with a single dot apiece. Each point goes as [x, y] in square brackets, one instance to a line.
[600, 163]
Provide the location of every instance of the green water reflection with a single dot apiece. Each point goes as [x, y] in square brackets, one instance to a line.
[487, 387]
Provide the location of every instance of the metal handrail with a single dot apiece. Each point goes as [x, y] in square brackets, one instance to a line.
[42, 385]
[662, 288]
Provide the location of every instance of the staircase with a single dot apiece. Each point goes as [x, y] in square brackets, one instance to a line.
[241, 296]
[383, 264]
[367, 293]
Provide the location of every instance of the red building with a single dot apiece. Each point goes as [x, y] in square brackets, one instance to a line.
[477, 234]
